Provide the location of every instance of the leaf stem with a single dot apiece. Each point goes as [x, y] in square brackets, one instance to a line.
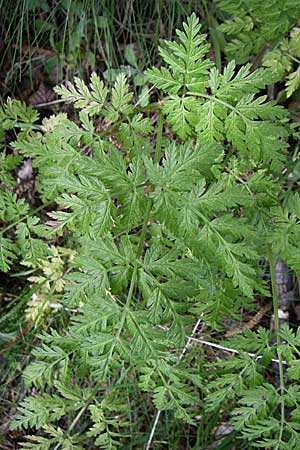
[74, 422]
[277, 334]
[149, 203]
[141, 243]
[158, 136]
[28, 125]
[221, 102]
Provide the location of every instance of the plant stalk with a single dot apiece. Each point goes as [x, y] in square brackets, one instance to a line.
[148, 209]
[278, 342]
[142, 238]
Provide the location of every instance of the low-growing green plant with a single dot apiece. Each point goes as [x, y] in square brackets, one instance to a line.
[172, 209]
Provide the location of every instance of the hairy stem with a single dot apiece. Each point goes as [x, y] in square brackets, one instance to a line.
[141, 243]
[148, 210]
[158, 136]
[277, 334]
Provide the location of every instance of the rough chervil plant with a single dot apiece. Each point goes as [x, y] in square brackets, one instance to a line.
[172, 210]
